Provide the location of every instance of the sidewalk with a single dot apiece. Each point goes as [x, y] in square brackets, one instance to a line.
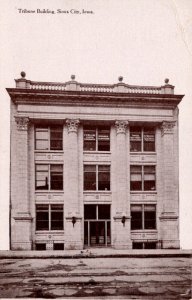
[96, 253]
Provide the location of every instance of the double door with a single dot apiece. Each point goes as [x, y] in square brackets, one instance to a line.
[97, 225]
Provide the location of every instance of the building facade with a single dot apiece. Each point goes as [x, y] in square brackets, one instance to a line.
[93, 165]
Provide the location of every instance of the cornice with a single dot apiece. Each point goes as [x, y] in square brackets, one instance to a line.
[37, 97]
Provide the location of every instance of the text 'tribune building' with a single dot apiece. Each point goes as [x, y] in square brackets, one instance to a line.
[93, 165]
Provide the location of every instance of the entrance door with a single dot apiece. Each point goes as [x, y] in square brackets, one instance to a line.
[97, 225]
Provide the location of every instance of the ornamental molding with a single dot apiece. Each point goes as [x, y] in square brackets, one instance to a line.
[121, 126]
[22, 123]
[72, 125]
[167, 127]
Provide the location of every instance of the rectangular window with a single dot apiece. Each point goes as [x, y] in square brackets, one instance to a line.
[58, 246]
[144, 245]
[143, 217]
[49, 217]
[96, 177]
[142, 139]
[142, 178]
[96, 138]
[49, 138]
[48, 177]
[40, 246]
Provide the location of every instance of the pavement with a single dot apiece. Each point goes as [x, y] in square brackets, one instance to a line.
[96, 252]
[96, 274]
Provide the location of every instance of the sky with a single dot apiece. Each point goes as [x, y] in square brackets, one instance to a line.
[145, 41]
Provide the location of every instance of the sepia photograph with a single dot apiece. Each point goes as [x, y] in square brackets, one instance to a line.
[95, 148]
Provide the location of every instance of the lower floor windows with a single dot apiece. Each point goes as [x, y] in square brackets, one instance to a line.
[40, 246]
[58, 246]
[143, 216]
[49, 217]
[144, 245]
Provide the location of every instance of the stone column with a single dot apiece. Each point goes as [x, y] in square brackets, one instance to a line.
[170, 208]
[20, 209]
[122, 216]
[73, 220]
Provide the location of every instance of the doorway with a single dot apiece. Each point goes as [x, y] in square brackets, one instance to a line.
[97, 225]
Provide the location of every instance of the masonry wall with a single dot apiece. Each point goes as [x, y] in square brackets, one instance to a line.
[24, 197]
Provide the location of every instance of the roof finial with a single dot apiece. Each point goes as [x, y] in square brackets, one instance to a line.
[166, 80]
[120, 78]
[73, 77]
[23, 74]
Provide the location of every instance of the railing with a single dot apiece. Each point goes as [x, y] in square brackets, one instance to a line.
[96, 88]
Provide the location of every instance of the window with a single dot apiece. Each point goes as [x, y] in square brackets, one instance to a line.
[142, 139]
[40, 246]
[49, 177]
[58, 246]
[142, 178]
[97, 212]
[49, 138]
[96, 139]
[145, 245]
[49, 217]
[143, 217]
[96, 177]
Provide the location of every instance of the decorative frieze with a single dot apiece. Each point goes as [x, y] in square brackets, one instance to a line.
[72, 125]
[121, 126]
[167, 127]
[22, 123]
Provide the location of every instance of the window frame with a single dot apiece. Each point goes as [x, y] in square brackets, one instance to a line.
[49, 177]
[142, 133]
[143, 174]
[50, 210]
[143, 218]
[97, 177]
[49, 139]
[97, 130]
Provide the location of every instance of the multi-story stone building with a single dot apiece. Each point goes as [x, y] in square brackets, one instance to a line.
[93, 165]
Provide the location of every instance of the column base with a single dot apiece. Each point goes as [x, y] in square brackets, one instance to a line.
[121, 237]
[73, 236]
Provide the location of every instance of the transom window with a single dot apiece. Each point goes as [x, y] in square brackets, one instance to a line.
[143, 216]
[96, 177]
[48, 177]
[143, 178]
[49, 138]
[142, 139]
[49, 217]
[97, 212]
[96, 139]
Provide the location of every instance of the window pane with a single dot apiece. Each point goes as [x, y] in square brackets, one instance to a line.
[41, 139]
[103, 139]
[149, 178]
[149, 219]
[149, 139]
[136, 178]
[56, 138]
[90, 212]
[104, 211]
[89, 140]
[40, 246]
[136, 220]
[56, 177]
[150, 245]
[89, 177]
[135, 139]
[137, 245]
[42, 217]
[57, 217]
[58, 246]
[86, 233]
[41, 182]
[104, 178]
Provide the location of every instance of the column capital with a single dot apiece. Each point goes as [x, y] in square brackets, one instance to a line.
[121, 126]
[72, 125]
[22, 123]
[167, 127]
